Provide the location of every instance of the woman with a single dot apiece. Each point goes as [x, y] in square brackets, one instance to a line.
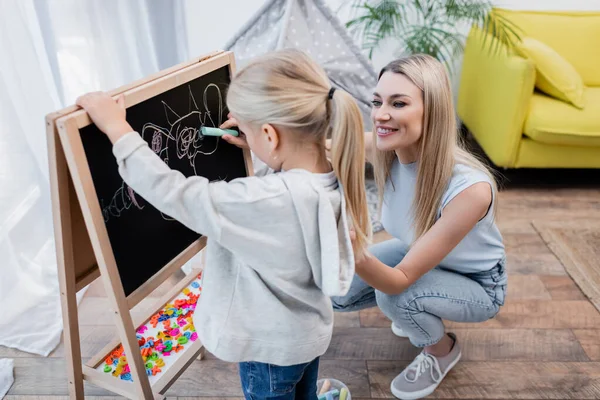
[447, 256]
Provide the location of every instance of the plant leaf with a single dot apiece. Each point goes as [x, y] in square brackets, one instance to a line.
[378, 22]
[429, 26]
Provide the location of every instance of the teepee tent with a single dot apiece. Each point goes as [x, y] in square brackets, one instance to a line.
[308, 25]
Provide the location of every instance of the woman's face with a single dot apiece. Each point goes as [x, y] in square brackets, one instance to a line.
[397, 113]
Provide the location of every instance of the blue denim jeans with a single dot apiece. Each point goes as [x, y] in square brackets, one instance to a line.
[437, 295]
[269, 381]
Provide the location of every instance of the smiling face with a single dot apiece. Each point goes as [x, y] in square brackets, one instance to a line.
[397, 115]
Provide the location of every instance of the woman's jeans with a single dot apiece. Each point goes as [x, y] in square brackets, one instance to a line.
[439, 294]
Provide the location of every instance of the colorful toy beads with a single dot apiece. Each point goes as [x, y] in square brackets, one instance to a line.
[176, 333]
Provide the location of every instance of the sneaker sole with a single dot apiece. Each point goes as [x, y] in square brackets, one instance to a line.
[424, 392]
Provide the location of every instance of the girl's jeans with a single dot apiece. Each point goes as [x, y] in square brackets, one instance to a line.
[269, 381]
[439, 294]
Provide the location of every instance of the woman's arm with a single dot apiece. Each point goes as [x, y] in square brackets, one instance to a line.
[458, 218]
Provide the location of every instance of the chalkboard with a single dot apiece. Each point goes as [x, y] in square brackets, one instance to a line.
[144, 240]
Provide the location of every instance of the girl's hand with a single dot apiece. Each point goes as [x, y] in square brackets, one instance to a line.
[108, 115]
[239, 141]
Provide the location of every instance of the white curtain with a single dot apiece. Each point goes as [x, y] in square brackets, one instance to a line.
[52, 51]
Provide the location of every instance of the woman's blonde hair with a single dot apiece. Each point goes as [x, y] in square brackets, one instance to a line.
[439, 146]
[290, 91]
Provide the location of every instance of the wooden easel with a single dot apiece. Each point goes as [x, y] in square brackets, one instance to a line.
[84, 252]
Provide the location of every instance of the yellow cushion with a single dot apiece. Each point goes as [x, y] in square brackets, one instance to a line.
[554, 75]
[575, 35]
[555, 122]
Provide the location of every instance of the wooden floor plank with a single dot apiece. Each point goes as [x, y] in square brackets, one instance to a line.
[590, 341]
[518, 314]
[501, 380]
[536, 314]
[9, 352]
[217, 378]
[534, 264]
[208, 398]
[45, 376]
[544, 344]
[526, 287]
[520, 345]
[209, 378]
[509, 226]
[373, 318]
[477, 345]
[347, 319]
[352, 373]
[525, 243]
[562, 288]
[369, 344]
[93, 340]
[25, 397]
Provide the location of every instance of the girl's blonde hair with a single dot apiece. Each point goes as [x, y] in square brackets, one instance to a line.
[290, 91]
[439, 147]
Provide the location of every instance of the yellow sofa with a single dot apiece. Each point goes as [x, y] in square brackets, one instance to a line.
[517, 125]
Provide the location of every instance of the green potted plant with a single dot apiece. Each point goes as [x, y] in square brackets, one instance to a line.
[428, 26]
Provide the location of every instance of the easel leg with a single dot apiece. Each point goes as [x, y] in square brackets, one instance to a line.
[202, 354]
[72, 345]
[65, 262]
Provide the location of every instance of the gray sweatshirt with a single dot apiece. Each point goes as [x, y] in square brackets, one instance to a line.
[278, 248]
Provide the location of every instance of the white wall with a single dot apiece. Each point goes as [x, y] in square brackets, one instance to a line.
[211, 23]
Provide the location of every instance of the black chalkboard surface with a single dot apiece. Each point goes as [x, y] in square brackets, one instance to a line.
[143, 240]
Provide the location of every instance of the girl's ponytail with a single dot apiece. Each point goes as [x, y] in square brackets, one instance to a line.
[288, 89]
[348, 160]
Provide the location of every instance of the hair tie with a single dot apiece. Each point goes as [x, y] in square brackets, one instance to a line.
[330, 95]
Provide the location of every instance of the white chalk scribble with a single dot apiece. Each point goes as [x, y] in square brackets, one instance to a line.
[181, 139]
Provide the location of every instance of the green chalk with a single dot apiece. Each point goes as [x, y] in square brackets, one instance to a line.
[343, 394]
[207, 131]
[328, 395]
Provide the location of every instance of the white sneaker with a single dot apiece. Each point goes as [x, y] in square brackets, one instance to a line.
[424, 374]
[398, 331]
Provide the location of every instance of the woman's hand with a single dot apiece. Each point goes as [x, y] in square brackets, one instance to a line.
[239, 141]
[107, 114]
[376, 274]
[359, 259]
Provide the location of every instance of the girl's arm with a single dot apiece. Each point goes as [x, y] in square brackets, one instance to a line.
[458, 218]
[192, 201]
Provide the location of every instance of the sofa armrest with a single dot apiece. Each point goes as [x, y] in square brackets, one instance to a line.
[494, 94]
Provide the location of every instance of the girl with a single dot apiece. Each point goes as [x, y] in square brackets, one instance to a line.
[447, 255]
[278, 245]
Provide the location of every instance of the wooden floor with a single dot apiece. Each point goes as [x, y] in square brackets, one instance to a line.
[544, 344]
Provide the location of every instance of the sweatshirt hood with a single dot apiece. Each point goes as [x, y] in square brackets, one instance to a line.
[326, 236]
